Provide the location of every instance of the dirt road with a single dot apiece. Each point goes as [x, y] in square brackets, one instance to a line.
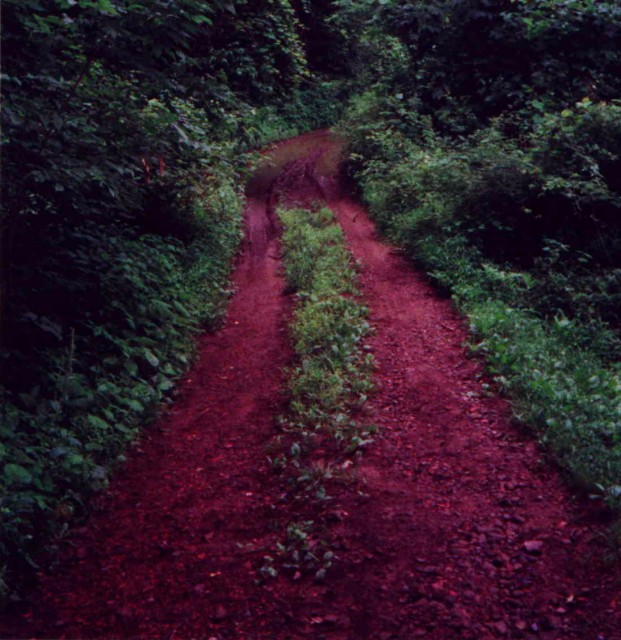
[455, 528]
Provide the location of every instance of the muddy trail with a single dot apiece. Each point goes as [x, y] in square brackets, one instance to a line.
[454, 529]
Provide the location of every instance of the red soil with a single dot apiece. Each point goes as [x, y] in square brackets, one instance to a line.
[454, 530]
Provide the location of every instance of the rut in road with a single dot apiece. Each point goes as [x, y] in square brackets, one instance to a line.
[464, 532]
[454, 530]
[165, 551]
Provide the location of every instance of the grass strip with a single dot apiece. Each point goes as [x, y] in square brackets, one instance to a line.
[328, 386]
[558, 387]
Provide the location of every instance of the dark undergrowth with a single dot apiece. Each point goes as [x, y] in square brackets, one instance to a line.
[128, 134]
[503, 183]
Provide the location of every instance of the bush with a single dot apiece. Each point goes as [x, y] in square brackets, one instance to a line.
[540, 284]
[86, 381]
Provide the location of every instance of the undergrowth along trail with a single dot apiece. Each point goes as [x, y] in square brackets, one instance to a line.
[453, 528]
[466, 530]
[171, 542]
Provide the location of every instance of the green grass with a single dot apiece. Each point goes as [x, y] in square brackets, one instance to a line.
[557, 366]
[328, 383]
[332, 374]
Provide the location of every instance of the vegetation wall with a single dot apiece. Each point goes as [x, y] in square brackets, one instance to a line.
[485, 136]
[128, 131]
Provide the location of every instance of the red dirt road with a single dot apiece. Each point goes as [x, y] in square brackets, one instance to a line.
[478, 539]
[164, 552]
[454, 530]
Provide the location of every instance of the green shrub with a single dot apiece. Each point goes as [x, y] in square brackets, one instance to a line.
[540, 286]
[110, 321]
[557, 387]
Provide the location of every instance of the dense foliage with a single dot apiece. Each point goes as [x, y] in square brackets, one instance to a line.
[490, 148]
[127, 130]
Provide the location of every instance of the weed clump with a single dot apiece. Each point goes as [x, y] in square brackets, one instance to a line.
[329, 327]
